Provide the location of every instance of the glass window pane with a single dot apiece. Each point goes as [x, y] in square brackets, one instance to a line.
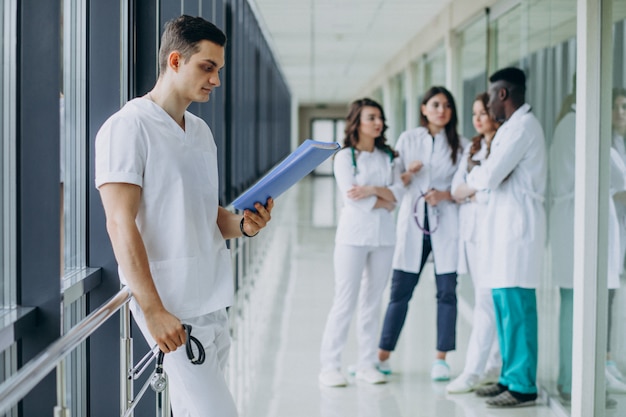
[472, 51]
[615, 372]
[73, 136]
[325, 130]
[435, 69]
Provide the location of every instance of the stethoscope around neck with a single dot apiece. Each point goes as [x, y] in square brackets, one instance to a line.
[355, 168]
[434, 211]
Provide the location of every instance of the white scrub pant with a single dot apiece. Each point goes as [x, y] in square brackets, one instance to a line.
[198, 390]
[483, 350]
[361, 274]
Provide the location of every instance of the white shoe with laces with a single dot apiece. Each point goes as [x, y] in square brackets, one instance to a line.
[371, 376]
[332, 378]
[463, 383]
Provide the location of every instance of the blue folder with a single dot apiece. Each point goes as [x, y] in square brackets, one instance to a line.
[292, 169]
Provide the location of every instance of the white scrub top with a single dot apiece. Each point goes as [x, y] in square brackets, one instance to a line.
[360, 224]
[177, 172]
[437, 173]
[620, 204]
[471, 213]
[562, 173]
[515, 172]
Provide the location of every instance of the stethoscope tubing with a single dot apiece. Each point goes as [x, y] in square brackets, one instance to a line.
[434, 210]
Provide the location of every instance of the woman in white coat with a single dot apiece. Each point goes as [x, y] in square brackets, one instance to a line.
[562, 172]
[369, 181]
[483, 361]
[427, 221]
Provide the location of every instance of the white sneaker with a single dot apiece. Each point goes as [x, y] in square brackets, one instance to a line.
[614, 370]
[384, 367]
[491, 376]
[463, 383]
[440, 371]
[371, 376]
[613, 384]
[332, 378]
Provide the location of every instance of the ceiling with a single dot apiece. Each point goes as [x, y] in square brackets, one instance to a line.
[330, 49]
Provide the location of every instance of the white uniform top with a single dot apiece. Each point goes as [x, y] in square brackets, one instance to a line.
[360, 224]
[437, 172]
[472, 213]
[620, 206]
[562, 173]
[515, 172]
[177, 172]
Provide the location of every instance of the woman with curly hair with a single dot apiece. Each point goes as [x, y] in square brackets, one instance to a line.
[369, 181]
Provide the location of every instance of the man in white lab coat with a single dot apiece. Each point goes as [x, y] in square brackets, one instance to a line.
[514, 234]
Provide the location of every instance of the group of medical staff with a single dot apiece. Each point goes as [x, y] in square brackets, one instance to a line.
[476, 207]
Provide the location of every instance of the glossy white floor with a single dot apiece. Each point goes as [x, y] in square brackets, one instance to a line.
[289, 301]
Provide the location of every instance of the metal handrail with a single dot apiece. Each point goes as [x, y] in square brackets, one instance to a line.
[24, 380]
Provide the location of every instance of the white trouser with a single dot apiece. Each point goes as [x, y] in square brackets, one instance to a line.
[483, 350]
[198, 390]
[361, 273]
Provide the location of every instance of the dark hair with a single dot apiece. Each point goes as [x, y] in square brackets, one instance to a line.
[515, 80]
[183, 34]
[353, 121]
[451, 134]
[476, 140]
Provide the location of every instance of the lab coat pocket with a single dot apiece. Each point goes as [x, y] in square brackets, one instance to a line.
[511, 220]
[176, 281]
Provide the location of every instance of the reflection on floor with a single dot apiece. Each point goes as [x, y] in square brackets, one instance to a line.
[286, 385]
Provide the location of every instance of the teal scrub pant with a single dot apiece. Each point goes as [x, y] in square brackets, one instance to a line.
[516, 321]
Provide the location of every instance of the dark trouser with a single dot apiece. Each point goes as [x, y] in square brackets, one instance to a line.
[402, 286]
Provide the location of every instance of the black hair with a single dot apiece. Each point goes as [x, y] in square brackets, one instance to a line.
[183, 34]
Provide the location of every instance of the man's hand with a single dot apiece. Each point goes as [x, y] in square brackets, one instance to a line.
[254, 222]
[406, 177]
[166, 329]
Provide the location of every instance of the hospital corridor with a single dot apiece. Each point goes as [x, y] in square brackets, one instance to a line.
[288, 304]
[313, 208]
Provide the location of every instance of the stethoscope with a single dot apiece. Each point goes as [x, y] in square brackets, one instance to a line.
[433, 210]
[159, 381]
[355, 169]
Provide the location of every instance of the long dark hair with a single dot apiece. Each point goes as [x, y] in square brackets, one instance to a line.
[451, 134]
[353, 120]
[476, 140]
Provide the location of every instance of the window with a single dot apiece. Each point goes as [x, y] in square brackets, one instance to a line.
[73, 189]
[7, 154]
[72, 105]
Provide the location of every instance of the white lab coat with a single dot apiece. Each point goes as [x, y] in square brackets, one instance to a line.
[359, 223]
[620, 206]
[437, 172]
[515, 172]
[471, 214]
[562, 173]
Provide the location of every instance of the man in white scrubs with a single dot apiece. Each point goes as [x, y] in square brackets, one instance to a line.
[514, 234]
[156, 169]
